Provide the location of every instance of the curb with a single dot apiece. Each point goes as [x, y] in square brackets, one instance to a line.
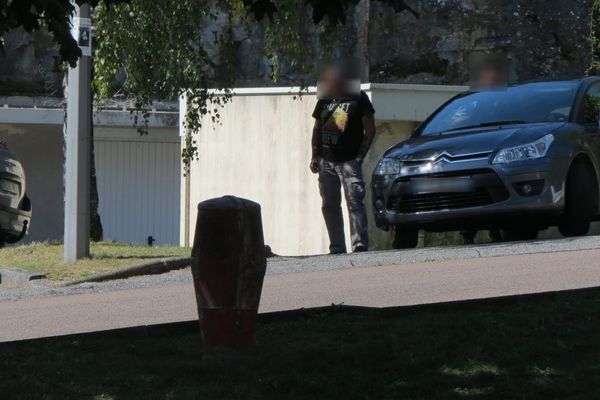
[18, 277]
[429, 254]
[150, 268]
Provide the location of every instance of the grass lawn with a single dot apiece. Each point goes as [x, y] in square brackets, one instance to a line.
[542, 348]
[105, 256]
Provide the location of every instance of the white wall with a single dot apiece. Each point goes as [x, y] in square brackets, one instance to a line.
[260, 150]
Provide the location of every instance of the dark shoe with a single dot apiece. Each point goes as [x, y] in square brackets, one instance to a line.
[335, 252]
[361, 249]
[495, 235]
[468, 236]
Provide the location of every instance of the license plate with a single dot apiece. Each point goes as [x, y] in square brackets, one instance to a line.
[441, 185]
[9, 187]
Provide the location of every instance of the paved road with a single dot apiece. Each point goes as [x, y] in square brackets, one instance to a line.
[408, 284]
[284, 265]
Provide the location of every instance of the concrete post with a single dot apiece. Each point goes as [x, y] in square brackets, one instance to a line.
[228, 267]
[77, 144]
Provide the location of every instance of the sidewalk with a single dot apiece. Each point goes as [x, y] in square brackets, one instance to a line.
[410, 284]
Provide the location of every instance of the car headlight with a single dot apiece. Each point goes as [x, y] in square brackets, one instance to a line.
[388, 166]
[530, 151]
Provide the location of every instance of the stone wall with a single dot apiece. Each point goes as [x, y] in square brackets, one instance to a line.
[543, 38]
[29, 65]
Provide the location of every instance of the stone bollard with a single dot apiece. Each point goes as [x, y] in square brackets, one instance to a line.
[228, 266]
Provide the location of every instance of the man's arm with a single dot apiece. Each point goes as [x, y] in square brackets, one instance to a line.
[316, 147]
[316, 140]
[368, 121]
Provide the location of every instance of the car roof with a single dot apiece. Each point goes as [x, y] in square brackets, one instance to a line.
[580, 81]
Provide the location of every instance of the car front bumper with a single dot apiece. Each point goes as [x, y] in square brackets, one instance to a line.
[495, 199]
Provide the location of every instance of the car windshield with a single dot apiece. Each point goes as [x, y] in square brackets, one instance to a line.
[535, 102]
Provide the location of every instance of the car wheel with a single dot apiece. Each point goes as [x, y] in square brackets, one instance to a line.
[405, 237]
[515, 235]
[577, 216]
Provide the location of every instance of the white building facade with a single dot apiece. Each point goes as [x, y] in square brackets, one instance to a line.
[138, 176]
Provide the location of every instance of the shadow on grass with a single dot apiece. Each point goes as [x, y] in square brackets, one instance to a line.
[544, 347]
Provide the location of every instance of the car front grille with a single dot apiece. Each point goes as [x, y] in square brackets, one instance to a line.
[488, 189]
[441, 201]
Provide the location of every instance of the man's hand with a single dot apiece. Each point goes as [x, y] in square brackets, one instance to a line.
[314, 166]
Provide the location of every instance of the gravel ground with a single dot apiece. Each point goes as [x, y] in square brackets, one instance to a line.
[281, 265]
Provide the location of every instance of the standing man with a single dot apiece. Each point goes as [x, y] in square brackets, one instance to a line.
[342, 135]
[488, 73]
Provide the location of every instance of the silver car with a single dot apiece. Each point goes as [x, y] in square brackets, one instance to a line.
[519, 159]
[15, 206]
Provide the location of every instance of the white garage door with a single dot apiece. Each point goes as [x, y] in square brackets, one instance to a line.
[138, 185]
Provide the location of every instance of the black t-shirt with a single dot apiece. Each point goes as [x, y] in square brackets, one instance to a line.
[341, 125]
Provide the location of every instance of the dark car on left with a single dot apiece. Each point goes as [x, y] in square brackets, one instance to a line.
[15, 206]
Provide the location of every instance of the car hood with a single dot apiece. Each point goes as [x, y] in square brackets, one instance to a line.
[470, 141]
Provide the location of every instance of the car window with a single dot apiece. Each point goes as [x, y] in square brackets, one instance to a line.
[590, 107]
[536, 102]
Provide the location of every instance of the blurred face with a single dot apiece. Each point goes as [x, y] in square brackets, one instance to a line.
[333, 83]
[491, 77]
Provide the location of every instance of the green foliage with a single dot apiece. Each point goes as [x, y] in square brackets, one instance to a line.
[292, 41]
[160, 50]
[157, 46]
[594, 37]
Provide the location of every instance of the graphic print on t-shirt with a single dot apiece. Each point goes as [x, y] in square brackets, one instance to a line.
[335, 121]
[339, 118]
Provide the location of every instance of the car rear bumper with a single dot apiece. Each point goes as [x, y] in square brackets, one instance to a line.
[13, 222]
[496, 197]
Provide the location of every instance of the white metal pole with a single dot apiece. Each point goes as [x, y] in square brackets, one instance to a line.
[77, 144]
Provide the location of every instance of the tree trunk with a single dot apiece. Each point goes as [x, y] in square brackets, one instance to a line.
[96, 232]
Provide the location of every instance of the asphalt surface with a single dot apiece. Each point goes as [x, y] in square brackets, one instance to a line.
[283, 265]
[408, 279]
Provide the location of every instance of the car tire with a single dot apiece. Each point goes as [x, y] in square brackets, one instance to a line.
[519, 234]
[577, 215]
[405, 238]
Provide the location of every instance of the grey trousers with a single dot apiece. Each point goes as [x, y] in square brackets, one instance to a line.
[332, 177]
